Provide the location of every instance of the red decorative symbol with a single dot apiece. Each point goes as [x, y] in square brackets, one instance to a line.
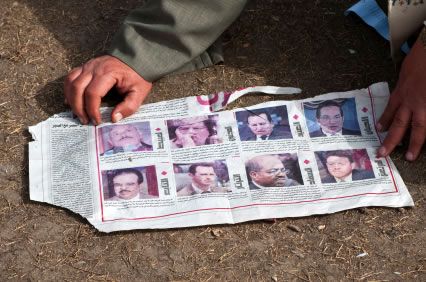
[306, 161]
[158, 129]
[164, 172]
[226, 96]
[211, 99]
[295, 116]
[364, 109]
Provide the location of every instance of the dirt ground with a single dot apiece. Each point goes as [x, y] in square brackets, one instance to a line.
[288, 43]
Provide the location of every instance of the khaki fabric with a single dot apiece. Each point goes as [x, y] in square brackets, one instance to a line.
[166, 36]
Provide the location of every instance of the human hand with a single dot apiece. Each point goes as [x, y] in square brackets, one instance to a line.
[86, 85]
[184, 139]
[406, 106]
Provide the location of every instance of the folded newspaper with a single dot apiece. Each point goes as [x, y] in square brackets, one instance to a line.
[183, 162]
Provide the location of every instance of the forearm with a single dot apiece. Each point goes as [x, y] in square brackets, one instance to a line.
[162, 36]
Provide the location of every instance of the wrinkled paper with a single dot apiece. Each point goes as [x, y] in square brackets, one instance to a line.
[189, 162]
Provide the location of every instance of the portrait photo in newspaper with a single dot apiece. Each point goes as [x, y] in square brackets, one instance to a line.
[337, 117]
[129, 184]
[201, 178]
[263, 124]
[194, 131]
[339, 166]
[143, 185]
[273, 170]
[129, 137]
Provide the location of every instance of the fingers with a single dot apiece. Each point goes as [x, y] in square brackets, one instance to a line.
[74, 91]
[87, 85]
[128, 106]
[97, 88]
[400, 123]
[410, 98]
[387, 117]
[186, 140]
[417, 137]
[72, 75]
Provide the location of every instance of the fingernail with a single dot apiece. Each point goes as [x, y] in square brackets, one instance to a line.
[118, 117]
[379, 126]
[382, 151]
[82, 120]
[409, 156]
[94, 122]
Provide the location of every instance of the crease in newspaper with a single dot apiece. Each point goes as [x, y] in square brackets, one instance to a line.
[379, 94]
[179, 163]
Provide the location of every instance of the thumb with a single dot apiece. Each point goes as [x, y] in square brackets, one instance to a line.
[391, 108]
[127, 107]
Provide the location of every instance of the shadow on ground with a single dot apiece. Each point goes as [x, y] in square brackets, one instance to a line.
[286, 43]
[283, 42]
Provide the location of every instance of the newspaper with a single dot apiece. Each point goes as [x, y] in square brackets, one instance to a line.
[188, 162]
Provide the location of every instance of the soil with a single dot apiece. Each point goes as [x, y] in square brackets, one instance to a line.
[288, 43]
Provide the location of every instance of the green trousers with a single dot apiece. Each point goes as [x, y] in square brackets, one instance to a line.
[169, 36]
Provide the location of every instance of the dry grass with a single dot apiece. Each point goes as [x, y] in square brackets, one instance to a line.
[287, 43]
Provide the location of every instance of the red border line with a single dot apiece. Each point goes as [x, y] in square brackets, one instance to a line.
[380, 140]
[257, 204]
[245, 206]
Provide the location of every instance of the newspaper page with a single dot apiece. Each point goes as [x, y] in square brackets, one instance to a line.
[188, 162]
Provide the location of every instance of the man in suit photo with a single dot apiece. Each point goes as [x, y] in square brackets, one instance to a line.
[125, 138]
[330, 118]
[127, 185]
[203, 180]
[169, 36]
[262, 128]
[267, 171]
[341, 168]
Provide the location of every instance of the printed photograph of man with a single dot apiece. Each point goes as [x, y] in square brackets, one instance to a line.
[268, 171]
[291, 163]
[128, 184]
[121, 138]
[340, 166]
[332, 118]
[193, 131]
[263, 124]
[200, 178]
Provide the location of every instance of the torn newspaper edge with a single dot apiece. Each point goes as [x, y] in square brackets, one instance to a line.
[181, 163]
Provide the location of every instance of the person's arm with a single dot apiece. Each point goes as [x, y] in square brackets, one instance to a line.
[407, 104]
[154, 41]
